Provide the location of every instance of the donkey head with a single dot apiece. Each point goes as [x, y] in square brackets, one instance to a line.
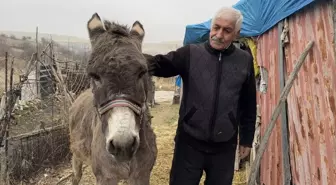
[117, 69]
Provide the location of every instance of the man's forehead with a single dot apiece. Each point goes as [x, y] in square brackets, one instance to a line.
[224, 22]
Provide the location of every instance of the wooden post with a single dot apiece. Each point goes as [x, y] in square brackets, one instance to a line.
[4, 131]
[181, 90]
[286, 175]
[255, 145]
[276, 113]
[237, 159]
[37, 67]
[11, 107]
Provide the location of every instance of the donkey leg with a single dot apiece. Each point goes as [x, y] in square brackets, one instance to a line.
[140, 180]
[105, 181]
[77, 170]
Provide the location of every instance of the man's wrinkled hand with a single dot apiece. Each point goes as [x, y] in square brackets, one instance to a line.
[244, 151]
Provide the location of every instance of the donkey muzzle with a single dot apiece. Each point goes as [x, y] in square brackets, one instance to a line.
[123, 147]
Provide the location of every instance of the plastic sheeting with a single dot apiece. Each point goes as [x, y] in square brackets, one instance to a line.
[178, 81]
[259, 16]
[197, 33]
[253, 47]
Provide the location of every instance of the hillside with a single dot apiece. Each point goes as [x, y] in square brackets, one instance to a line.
[21, 49]
[55, 37]
[80, 43]
[22, 45]
[161, 47]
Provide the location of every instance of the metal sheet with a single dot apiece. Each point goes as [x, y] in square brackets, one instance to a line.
[268, 56]
[311, 102]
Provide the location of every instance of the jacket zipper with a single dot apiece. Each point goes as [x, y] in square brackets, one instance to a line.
[215, 103]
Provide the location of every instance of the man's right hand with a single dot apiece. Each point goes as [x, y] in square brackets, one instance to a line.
[244, 151]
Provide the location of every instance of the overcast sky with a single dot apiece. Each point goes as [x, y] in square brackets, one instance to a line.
[69, 17]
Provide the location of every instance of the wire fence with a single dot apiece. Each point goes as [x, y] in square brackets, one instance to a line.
[28, 155]
[33, 114]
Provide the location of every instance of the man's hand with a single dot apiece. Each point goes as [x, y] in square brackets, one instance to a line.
[244, 151]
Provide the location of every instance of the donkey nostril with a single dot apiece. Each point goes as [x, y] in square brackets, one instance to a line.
[134, 144]
[112, 148]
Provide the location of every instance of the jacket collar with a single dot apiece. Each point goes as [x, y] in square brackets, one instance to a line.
[227, 51]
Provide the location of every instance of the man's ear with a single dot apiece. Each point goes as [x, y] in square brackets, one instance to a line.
[238, 34]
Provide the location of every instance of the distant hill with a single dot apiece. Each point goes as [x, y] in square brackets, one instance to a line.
[22, 45]
[55, 37]
[161, 47]
[78, 43]
[71, 39]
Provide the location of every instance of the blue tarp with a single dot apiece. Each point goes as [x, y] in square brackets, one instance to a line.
[259, 16]
[178, 81]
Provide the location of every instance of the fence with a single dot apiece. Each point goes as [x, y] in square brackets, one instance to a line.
[35, 132]
[29, 153]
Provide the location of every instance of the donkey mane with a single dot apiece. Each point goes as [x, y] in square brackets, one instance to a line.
[116, 28]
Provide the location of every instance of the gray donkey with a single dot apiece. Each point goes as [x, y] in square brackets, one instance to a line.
[110, 123]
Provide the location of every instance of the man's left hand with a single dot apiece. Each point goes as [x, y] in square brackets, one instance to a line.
[244, 151]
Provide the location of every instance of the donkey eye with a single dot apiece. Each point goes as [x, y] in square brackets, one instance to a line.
[141, 74]
[94, 76]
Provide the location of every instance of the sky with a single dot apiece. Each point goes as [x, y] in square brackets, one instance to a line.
[69, 17]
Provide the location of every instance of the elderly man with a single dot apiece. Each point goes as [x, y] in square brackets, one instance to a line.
[219, 98]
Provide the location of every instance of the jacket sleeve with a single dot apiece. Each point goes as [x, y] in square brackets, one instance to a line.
[248, 108]
[169, 65]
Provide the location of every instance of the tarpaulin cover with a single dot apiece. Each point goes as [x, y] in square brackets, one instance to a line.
[259, 16]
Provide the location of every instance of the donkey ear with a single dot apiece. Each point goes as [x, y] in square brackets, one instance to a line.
[137, 30]
[95, 26]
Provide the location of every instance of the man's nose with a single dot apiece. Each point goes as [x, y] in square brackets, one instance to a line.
[220, 34]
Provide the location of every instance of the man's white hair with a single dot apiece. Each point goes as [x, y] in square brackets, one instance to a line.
[229, 13]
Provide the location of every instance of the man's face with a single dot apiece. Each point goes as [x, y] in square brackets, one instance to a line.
[222, 33]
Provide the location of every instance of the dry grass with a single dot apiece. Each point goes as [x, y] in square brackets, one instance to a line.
[164, 84]
[164, 125]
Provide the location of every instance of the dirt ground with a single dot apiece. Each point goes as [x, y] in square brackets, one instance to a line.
[164, 123]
